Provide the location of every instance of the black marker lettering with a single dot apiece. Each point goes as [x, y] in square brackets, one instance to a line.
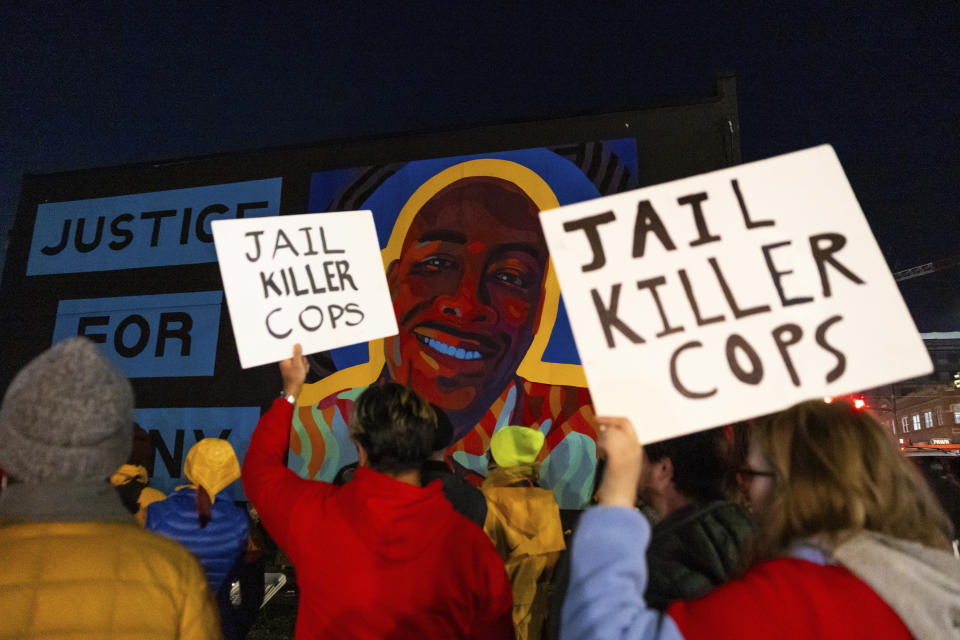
[647, 221]
[256, 243]
[755, 375]
[675, 378]
[589, 226]
[688, 289]
[793, 333]
[279, 336]
[608, 317]
[310, 250]
[342, 267]
[283, 244]
[728, 294]
[269, 284]
[703, 234]
[841, 365]
[743, 209]
[354, 308]
[776, 275]
[652, 285]
[323, 243]
[823, 255]
[319, 319]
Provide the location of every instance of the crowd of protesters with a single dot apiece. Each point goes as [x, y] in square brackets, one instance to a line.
[818, 528]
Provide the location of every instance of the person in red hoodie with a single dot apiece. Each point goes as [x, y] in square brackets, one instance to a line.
[381, 556]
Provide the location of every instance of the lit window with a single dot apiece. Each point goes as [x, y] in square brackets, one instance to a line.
[904, 424]
[916, 422]
[928, 419]
[956, 417]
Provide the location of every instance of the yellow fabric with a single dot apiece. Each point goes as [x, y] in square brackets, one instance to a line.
[524, 525]
[512, 445]
[148, 495]
[127, 473]
[81, 580]
[212, 464]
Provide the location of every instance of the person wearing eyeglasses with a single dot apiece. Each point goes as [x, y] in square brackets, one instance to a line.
[850, 543]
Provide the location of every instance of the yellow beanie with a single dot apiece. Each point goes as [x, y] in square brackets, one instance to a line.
[212, 464]
[513, 446]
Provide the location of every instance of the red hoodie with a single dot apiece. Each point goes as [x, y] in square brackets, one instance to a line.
[375, 558]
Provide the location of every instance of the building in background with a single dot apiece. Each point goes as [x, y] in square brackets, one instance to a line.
[924, 410]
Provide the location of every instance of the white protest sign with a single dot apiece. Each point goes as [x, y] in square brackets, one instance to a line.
[316, 279]
[731, 294]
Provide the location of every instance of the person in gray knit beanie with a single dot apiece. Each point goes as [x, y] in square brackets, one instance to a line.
[75, 562]
[66, 416]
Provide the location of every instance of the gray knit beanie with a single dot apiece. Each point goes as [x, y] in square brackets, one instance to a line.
[66, 416]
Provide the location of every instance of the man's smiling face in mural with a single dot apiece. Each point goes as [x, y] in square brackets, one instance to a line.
[467, 290]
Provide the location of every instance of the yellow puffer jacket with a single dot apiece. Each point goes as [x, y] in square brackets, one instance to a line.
[524, 524]
[100, 580]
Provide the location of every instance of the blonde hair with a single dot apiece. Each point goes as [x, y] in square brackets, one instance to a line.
[837, 472]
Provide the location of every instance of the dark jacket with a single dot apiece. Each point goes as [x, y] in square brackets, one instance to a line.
[465, 498]
[217, 546]
[695, 549]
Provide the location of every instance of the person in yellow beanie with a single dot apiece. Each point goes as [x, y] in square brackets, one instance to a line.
[523, 521]
[131, 483]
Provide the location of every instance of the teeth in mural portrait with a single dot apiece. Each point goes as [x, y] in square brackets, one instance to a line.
[449, 350]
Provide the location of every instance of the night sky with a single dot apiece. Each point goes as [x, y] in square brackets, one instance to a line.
[85, 85]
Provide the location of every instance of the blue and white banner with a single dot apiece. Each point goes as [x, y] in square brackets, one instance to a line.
[173, 431]
[159, 336]
[153, 229]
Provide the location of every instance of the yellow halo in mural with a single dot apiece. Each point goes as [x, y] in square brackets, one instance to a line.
[532, 367]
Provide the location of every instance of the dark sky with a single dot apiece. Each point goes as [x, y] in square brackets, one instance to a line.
[85, 86]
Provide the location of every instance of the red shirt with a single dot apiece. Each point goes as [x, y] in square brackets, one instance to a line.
[375, 558]
[788, 598]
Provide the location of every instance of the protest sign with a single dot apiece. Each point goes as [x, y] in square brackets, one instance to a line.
[316, 279]
[731, 294]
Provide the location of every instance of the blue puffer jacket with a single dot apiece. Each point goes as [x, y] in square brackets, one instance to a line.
[218, 546]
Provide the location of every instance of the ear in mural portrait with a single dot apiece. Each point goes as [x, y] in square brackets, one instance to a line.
[477, 307]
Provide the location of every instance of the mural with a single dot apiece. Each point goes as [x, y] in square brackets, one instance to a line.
[482, 330]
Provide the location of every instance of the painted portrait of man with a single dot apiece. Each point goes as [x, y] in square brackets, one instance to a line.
[467, 290]
[476, 302]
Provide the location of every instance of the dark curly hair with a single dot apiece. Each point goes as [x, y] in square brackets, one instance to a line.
[395, 426]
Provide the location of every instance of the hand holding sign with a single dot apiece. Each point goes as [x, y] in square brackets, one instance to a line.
[728, 295]
[619, 447]
[312, 279]
[294, 371]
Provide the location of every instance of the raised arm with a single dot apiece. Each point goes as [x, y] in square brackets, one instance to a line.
[273, 489]
[608, 567]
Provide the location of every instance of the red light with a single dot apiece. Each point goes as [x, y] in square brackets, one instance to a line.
[859, 403]
[828, 399]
